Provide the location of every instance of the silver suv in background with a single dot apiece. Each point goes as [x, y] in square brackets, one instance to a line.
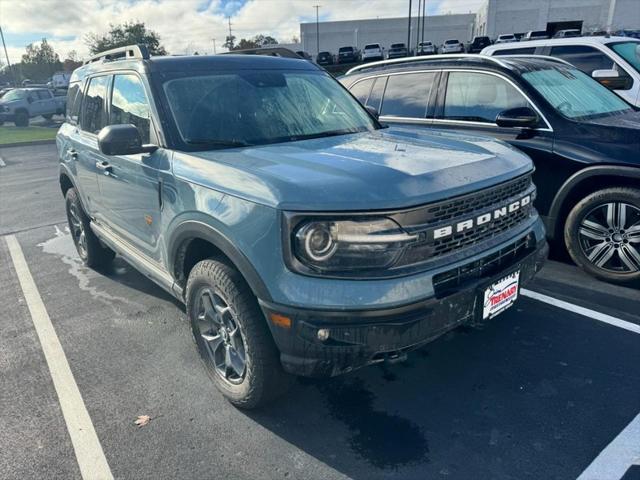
[371, 52]
[452, 46]
[506, 38]
[613, 61]
[21, 104]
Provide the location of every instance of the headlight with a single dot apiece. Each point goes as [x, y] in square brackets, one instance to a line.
[348, 245]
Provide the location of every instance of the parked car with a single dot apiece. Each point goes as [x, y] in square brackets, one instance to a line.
[506, 38]
[303, 54]
[627, 33]
[348, 55]
[478, 44]
[426, 48]
[250, 188]
[535, 35]
[60, 80]
[397, 50]
[613, 61]
[583, 139]
[371, 52]
[20, 104]
[4, 91]
[569, 33]
[452, 46]
[324, 58]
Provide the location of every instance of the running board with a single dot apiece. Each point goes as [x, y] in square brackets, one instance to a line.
[140, 262]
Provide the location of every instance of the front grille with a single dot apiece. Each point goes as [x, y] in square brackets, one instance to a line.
[449, 281]
[469, 203]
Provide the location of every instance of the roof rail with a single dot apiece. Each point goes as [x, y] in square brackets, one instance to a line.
[268, 51]
[121, 53]
[424, 58]
[542, 57]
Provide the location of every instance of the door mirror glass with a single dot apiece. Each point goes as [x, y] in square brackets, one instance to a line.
[122, 140]
[612, 79]
[523, 117]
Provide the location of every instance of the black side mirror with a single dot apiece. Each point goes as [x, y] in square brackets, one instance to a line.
[373, 112]
[523, 117]
[122, 140]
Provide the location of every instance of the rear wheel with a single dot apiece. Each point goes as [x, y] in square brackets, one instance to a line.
[89, 248]
[232, 336]
[602, 234]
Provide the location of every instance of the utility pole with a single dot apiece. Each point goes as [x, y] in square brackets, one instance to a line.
[418, 30]
[214, 46]
[424, 14]
[317, 7]
[409, 31]
[230, 34]
[15, 84]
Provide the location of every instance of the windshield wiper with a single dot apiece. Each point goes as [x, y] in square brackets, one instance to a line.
[330, 133]
[216, 142]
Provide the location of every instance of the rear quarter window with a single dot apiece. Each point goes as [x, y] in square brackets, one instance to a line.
[74, 103]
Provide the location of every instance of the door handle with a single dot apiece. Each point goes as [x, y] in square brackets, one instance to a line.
[73, 154]
[105, 167]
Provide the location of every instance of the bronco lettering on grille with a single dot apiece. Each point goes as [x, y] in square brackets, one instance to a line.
[471, 223]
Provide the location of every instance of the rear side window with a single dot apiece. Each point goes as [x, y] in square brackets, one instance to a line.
[478, 97]
[44, 94]
[361, 90]
[74, 102]
[407, 95]
[94, 116]
[584, 58]
[516, 51]
[129, 104]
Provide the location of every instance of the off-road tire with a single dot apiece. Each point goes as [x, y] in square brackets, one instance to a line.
[626, 195]
[22, 119]
[264, 379]
[94, 254]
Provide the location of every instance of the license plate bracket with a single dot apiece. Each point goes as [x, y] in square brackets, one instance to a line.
[500, 295]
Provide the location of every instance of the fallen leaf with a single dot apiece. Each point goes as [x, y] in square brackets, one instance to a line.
[142, 420]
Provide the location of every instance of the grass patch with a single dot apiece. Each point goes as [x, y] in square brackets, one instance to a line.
[26, 134]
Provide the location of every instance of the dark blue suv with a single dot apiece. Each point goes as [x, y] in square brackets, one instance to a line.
[303, 237]
[583, 139]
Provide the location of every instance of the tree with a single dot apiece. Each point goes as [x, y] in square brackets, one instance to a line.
[255, 42]
[71, 62]
[125, 34]
[263, 40]
[230, 42]
[39, 62]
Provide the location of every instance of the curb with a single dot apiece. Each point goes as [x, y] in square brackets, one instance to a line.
[27, 144]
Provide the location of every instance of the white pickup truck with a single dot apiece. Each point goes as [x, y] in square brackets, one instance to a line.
[21, 104]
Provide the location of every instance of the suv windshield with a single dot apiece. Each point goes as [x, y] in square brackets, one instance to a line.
[222, 110]
[574, 94]
[345, 49]
[14, 95]
[630, 51]
[372, 46]
[450, 42]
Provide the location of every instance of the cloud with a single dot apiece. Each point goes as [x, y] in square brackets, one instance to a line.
[188, 25]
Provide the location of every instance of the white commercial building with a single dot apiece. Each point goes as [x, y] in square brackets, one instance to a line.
[492, 19]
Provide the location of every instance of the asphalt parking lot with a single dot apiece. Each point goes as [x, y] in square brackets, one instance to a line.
[540, 392]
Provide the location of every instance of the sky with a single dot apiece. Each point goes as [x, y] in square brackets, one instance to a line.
[186, 26]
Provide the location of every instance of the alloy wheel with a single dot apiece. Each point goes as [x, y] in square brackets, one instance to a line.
[610, 237]
[222, 336]
[77, 230]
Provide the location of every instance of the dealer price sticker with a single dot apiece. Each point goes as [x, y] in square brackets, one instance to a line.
[501, 295]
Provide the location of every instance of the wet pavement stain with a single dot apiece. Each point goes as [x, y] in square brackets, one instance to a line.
[382, 439]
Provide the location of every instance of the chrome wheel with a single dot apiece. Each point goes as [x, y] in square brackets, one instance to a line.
[610, 237]
[222, 336]
[77, 230]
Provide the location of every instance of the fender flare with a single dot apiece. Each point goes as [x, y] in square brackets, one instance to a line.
[577, 178]
[192, 229]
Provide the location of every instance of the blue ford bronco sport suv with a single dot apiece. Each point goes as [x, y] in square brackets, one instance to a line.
[302, 236]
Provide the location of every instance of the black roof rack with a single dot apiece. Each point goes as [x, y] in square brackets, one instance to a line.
[121, 53]
[269, 51]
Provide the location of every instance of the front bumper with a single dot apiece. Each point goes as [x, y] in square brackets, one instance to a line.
[363, 337]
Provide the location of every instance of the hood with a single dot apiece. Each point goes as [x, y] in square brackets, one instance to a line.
[615, 138]
[383, 169]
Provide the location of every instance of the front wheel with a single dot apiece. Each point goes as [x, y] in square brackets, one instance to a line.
[232, 336]
[22, 119]
[602, 234]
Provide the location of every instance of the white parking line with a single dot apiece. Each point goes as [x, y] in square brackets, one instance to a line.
[602, 317]
[618, 456]
[89, 453]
